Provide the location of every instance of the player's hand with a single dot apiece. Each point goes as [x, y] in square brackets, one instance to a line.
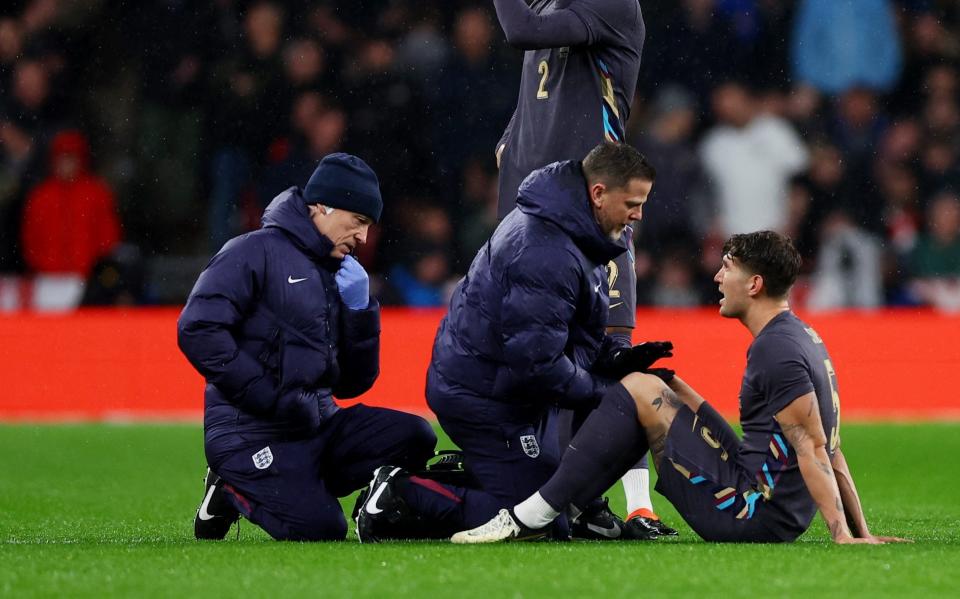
[640, 358]
[848, 540]
[353, 283]
[883, 539]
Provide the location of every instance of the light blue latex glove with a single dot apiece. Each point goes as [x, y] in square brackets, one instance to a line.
[354, 284]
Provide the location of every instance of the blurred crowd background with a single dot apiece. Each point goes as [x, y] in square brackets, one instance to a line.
[136, 137]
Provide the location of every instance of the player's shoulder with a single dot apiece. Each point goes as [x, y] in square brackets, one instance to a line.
[782, 338]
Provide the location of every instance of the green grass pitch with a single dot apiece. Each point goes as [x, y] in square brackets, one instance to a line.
[107, 510]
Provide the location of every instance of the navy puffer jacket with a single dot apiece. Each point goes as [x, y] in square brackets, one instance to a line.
[527, 323]
[265, 325]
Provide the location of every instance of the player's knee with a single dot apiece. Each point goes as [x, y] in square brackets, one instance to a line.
[420, 441]
[643, 388]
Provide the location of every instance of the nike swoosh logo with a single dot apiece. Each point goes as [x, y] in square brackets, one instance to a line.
[203, 514]
[291, 280]
[597, 288]
[611, 533]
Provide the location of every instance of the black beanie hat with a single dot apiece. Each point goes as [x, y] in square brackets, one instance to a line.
[344, 181]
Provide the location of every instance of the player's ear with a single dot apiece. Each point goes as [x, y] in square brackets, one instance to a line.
[755, 285]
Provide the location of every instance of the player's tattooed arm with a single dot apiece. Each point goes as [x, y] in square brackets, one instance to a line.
[803, 429]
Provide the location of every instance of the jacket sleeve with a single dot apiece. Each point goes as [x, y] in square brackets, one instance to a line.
[359, 353]
[225, 292]
[583, 22]
[527, 30]
[540, 302]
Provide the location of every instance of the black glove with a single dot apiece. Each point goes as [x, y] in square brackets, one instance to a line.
[638, 358]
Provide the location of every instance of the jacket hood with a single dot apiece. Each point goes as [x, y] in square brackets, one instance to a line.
[289, 212]
[558, 193]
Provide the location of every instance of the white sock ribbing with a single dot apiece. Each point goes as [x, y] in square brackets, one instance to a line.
[636, 487]
[535, 512]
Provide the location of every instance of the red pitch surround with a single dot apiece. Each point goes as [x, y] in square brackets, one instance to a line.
[124, 364]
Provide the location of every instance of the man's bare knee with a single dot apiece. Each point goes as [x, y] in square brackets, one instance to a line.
[642, 386]
[645, 389]
[655, 401]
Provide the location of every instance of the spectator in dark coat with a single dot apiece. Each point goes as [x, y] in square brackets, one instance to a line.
[280, 323]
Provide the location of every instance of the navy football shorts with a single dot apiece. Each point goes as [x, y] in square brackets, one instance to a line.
[700, 475]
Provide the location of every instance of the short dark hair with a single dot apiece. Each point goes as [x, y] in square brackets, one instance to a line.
[768, 254]
[615, 164]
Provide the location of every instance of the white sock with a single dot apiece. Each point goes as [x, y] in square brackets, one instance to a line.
[636, 486]
[535, 512]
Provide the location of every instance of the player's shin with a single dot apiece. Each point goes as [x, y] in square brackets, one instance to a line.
[609, 442]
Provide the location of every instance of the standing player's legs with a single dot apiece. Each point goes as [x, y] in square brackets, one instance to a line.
[622, 279]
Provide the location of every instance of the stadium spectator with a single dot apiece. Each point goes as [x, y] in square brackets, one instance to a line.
[420, 276]
[475, 94]
[317, 128]
[70, 219]
[935, 263]
[173, 43]
[840, 45]
[749, 158]
[695, 49]
[674, 283]
[857, 129]
[69, 222]
[476, 214]
[423, 49]
[848, 267]
[678, 203]
[246, 105]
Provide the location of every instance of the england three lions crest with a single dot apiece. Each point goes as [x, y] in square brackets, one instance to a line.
[263, 458]
[530, 445]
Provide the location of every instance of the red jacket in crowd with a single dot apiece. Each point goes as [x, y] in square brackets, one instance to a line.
[70, 219]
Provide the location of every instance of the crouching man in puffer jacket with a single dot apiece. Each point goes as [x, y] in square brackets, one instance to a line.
[280, 323]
